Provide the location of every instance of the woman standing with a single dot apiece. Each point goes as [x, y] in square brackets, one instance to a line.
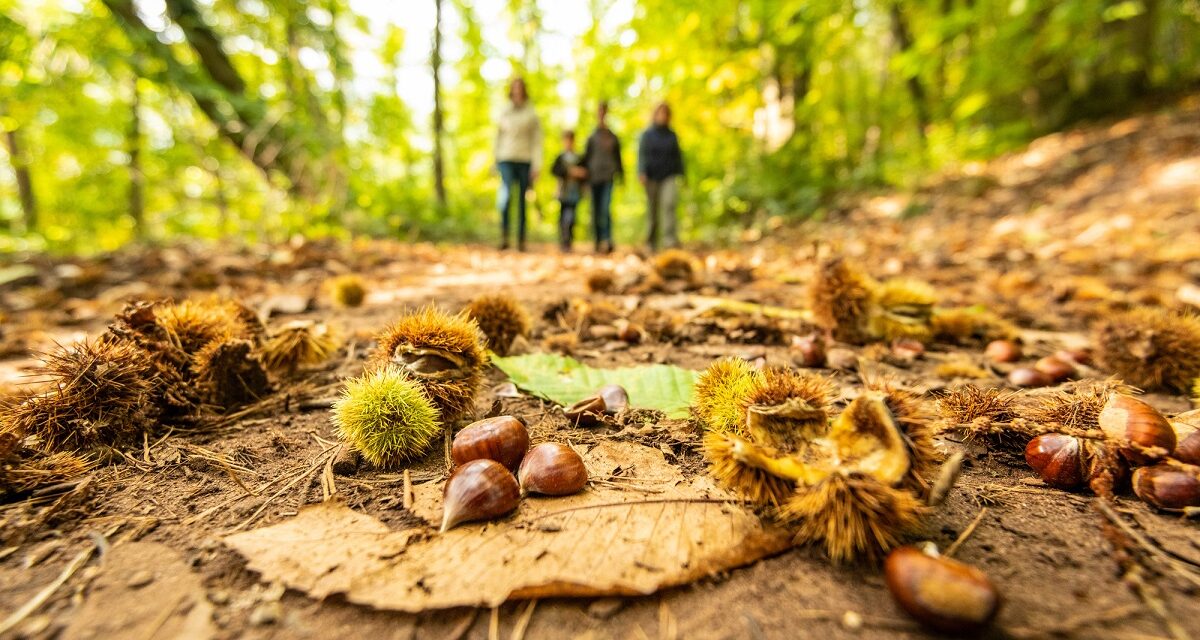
[660, 165]
[518, 157]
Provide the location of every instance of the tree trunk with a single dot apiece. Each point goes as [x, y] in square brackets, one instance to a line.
[916, 90]
[217, 92]
[133, 143]
[20, 167]
[439, 169]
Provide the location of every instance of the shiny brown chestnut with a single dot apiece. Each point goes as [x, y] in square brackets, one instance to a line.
[616, 398]
[808, 351]
[941, 593]
[1169, 487]
[1187, 443]
[907, 349]
[479, 490]
[502, 438]
[1028, 377]
[552, 469]
[587, 412]
[1058, 459]
[1056, 369]
[1002, 351]
[1130, 420]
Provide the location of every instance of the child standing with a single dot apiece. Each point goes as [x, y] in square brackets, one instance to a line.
[570, 181]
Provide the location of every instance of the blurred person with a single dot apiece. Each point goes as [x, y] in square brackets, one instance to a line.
[660, 169]
[518, 157]
[602, 160]
[570, 188]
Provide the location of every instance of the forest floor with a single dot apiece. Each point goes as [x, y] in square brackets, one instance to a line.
[1077, 225]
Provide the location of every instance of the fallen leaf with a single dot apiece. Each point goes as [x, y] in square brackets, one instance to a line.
[658, 532]
[566, 381]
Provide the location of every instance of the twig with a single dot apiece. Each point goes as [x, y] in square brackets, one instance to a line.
[966, 533]
[1077, 622]
[523, 622]
[1184, 569]
[635, 503]
[463, 627]
[667, 629]
[45, 594]
[494, 624]
[408, 491]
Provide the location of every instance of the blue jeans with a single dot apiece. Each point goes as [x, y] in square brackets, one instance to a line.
[514, 180]
[602, 213]
[566, 224]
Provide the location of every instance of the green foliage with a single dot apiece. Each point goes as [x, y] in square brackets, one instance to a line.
[778, 104]
[566, 381]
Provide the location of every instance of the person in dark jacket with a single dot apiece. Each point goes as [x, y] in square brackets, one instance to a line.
[660, 168]
[602, 160]
[570, 189]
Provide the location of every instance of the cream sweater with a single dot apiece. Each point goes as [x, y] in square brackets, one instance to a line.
[519, 136]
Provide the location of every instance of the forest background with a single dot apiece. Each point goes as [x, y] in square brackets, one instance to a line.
[258, 120]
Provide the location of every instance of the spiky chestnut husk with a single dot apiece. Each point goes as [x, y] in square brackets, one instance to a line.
[1150, 348]
[1074, 409]
[970, 325]
[386, 416]
[444, 352]
[24, 475]
[981, 414]
[787, 409]
[601, 281]
[193, 323]
[839, 297]
[99, 393]
[853, 515]
[901, 309]
[961, 368]
[726, 462]
[137, 325]
[501, 318]
[915, 418]
[297, 344]
[347, 291]
[679, 266]
[720, 393]
[230, 373]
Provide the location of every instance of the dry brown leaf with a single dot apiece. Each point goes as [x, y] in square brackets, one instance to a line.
[608, 540]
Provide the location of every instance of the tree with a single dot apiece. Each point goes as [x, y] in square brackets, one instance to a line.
[439, 169]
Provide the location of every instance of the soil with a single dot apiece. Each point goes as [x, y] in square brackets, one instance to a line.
[1078, 225]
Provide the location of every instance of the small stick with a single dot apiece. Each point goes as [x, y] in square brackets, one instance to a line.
[604, 505]
[463, 627]
[408, 491]
[494, 624]
[42, 596]
[966, 533]
[667, 629]
[523, 622]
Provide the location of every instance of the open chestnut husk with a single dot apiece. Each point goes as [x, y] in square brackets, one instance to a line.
[1168, 486]
[1146, 433]
[552, 469]
[502, 438]
[588, 412]
[941, 593]
[479, 490]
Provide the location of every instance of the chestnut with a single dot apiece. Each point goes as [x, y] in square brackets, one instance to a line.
[502, 438]
[1028, 377]
[808, 351]
[1131, 421]
[1002, 351]
[1058, 459]
[941, 593]
[1187, 439]
[1168, 486]
[552, 469]
[587, 412]
[479, 490]
[616, 399]
[1056, 369]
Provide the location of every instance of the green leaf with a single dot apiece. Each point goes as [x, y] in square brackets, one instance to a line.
[566, 381]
